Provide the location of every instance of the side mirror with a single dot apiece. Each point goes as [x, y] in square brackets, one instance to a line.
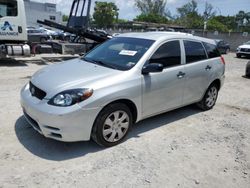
[154, 67]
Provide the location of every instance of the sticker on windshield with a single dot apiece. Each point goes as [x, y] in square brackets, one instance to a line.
[128, 52]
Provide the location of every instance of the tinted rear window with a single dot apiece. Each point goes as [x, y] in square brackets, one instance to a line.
[194, 51]
[211, 49]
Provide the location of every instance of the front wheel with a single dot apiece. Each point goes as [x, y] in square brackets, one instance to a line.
[209, 98]
[112, 125]
[238, 55]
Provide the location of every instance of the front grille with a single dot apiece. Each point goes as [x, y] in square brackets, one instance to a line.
[245, 49]
[36, 92]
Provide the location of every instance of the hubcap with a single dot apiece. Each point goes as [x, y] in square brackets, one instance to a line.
[115, 126]
[212, 96]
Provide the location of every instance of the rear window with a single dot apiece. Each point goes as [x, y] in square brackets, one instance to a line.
[211, 49]
[8, 8]
[194, 51]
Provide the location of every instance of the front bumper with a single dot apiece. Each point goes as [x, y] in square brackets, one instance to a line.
[243, 53]
[68, 124]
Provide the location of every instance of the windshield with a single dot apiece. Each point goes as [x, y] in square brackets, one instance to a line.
[120, 53]
[247, 42]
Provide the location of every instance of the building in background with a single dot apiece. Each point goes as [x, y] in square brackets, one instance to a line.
[41, 11]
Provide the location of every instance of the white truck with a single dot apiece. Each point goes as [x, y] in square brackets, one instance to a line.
[13, 33]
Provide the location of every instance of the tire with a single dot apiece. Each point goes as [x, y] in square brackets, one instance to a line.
[112, 125]
[238, 55]
[209, 99]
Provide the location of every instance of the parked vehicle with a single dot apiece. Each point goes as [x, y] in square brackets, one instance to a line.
[124, 80]
[49, 32]
[222, 46]
[61, 35]
[243, 50]
[13, 34]
[248, 70]
[36, 35]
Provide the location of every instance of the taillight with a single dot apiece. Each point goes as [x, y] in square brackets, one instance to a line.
[222, 60]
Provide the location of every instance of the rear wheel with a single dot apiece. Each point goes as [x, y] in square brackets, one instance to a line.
[112, 125]
[210, 98]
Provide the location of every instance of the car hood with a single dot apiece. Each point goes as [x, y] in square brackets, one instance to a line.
[245, 46]
[70, 74]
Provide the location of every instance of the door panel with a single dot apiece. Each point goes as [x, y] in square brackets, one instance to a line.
[162, 91]
[197, 78]
[197, 71]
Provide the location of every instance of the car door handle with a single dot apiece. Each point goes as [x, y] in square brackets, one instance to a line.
[181, 74]
[208, 68]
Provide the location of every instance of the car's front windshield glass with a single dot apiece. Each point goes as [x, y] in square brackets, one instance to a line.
[120, 53]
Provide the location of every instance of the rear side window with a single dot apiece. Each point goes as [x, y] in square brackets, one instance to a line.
[169, 54]
[194, 51]
[212, 51]
[8, 8]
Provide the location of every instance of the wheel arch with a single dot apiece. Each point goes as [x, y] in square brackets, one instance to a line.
[217, 83]
[130, 104]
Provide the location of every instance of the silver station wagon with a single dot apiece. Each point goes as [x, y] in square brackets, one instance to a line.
[124, 80]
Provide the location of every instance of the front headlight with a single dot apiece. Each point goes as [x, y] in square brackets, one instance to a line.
[238, 49]
[70, 97]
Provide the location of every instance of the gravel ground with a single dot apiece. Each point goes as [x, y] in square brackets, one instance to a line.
[182, 148]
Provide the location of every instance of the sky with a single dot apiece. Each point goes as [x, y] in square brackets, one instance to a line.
[128, 10]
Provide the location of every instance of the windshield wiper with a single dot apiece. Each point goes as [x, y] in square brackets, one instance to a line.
[99, 62]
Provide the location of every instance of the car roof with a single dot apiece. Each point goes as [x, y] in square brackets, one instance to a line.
[160, 36]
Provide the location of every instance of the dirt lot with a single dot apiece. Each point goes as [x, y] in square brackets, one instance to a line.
[183, 148]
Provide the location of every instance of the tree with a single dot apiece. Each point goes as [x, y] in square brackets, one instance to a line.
[152, 11]
[209, 12]
[189, 16]
[214, 25]
[65, 18]
[155, 7]
[105, 14]
[188, 9]
[228, 21]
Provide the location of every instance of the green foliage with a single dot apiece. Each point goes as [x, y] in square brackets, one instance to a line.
[153, 18]
[121, 21]
[153, 7]
[105, 14]
[227, 21]
[187, 9]
[153, 11]
[65, 18]
[189, 17]
[214, 25]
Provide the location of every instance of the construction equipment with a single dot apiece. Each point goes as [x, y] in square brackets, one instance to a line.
[78, 23]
